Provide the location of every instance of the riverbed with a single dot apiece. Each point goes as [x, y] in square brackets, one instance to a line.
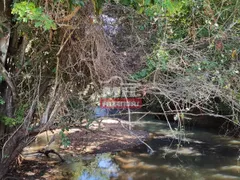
[184, 153]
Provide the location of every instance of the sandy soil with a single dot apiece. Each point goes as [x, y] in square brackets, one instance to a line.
[108, 136]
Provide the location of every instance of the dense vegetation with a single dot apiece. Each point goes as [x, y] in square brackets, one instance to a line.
[185, 55]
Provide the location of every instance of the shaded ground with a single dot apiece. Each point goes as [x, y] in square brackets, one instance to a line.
[33, 169]
[110, 136]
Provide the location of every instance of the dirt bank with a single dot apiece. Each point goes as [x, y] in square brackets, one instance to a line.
[107, 135]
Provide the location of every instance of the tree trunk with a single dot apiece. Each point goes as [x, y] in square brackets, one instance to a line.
[13, 145]
[5, 19]
[18, 137]
[12, 150]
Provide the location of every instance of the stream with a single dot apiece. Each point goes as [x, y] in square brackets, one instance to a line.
[195, 154]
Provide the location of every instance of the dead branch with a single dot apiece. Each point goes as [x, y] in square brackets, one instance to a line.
[50, 151]
[70, 16]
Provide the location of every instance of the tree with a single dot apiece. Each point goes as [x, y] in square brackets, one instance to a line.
[52, 53]
[55, 49]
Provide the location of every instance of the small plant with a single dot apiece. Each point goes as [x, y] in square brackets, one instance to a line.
[65, 140]
[19, 116]
[1, 101]
[27, 11]
[158, 60]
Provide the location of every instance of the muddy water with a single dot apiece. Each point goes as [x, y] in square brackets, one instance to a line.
[195, 154]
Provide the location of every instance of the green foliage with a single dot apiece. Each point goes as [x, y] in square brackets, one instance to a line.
[192, 21]
[2, 101]
[198, 51]
[19, 116]
[27, 11]
[11, 121]
[151, 66]
[77, 2]
[8, 121]
[20, 113]
[98, 4]
[158, 60]
[1, 78]
[156, 7]
[65, 140]
[6, 156]
[150, 8]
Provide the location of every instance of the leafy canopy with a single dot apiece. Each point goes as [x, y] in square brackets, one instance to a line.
[27, 11]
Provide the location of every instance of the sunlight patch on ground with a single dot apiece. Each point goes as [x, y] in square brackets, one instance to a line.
[234, 142]
[182, 151]
[139, 165]
[193, 141]
[232, 169]
[172, 169]
[126, 160]
[133, 163]
[223, 177]
[30, 173]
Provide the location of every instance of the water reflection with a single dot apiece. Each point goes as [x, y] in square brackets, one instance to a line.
[102, 168]
[199, 155]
